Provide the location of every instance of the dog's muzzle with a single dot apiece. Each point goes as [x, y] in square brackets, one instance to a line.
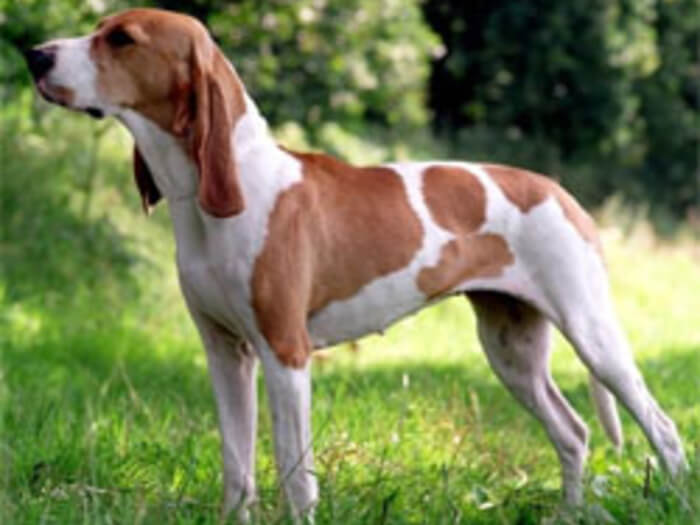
[41, 60]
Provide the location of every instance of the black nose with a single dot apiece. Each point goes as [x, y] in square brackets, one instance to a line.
[40, 60]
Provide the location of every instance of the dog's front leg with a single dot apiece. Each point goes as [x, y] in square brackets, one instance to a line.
[232, 366]
[289, 393]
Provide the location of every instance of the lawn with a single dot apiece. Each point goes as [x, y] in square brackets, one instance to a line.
[107, 415]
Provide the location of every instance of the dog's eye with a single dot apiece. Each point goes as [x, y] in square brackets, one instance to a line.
[119, 38]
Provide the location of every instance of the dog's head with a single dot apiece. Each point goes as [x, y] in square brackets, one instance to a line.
[166, 67]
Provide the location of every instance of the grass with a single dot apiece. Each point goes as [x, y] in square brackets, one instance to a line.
[107, 416]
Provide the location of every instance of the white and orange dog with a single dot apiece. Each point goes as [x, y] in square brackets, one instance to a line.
[279, 252]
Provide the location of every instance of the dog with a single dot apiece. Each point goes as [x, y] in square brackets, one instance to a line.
[280, 252]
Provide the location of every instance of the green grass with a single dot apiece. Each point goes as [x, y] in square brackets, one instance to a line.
[107, 416]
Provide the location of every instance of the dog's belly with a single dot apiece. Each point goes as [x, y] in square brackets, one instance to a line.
[389, 299]
[371, 310]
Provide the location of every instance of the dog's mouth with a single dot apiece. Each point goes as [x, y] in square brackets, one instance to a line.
[94, 112]
[63, 96]
[55, 94]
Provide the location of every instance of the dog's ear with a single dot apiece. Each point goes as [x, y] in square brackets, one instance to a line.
[150, 194]
[214, 103]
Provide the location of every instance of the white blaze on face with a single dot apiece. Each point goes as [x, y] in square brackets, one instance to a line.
[75, 70]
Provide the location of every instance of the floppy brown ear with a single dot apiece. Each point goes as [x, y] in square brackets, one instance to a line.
[218, 101]
[150, 194]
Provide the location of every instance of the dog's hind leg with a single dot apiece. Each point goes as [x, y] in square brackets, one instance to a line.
[572, 287]
[600, 343]
[516, 339]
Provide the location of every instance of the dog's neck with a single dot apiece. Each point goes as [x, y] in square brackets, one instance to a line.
[172, 168]
[262, 167]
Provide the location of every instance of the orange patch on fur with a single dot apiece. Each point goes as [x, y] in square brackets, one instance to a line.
[526, 190]
[456, 199]
[328, 236]
[465, 258]
[457, 202]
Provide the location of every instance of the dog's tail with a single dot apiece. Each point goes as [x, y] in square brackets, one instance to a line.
[606, 408]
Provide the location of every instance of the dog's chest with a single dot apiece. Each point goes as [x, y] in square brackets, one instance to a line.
[216, 257]
[215, 260]
[219, 290]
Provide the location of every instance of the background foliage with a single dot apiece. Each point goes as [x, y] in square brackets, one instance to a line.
[613, 84]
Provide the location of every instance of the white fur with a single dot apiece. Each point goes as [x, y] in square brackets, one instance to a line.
[173, 171]
[75, 70]
[219, 275]
[289, 391]
[233, 371]
[541, 238]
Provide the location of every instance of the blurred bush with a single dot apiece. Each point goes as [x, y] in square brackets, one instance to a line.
[669, 173]
[351, 62]
[609, 88]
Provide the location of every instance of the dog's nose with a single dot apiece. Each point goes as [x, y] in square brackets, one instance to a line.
[40, 60]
